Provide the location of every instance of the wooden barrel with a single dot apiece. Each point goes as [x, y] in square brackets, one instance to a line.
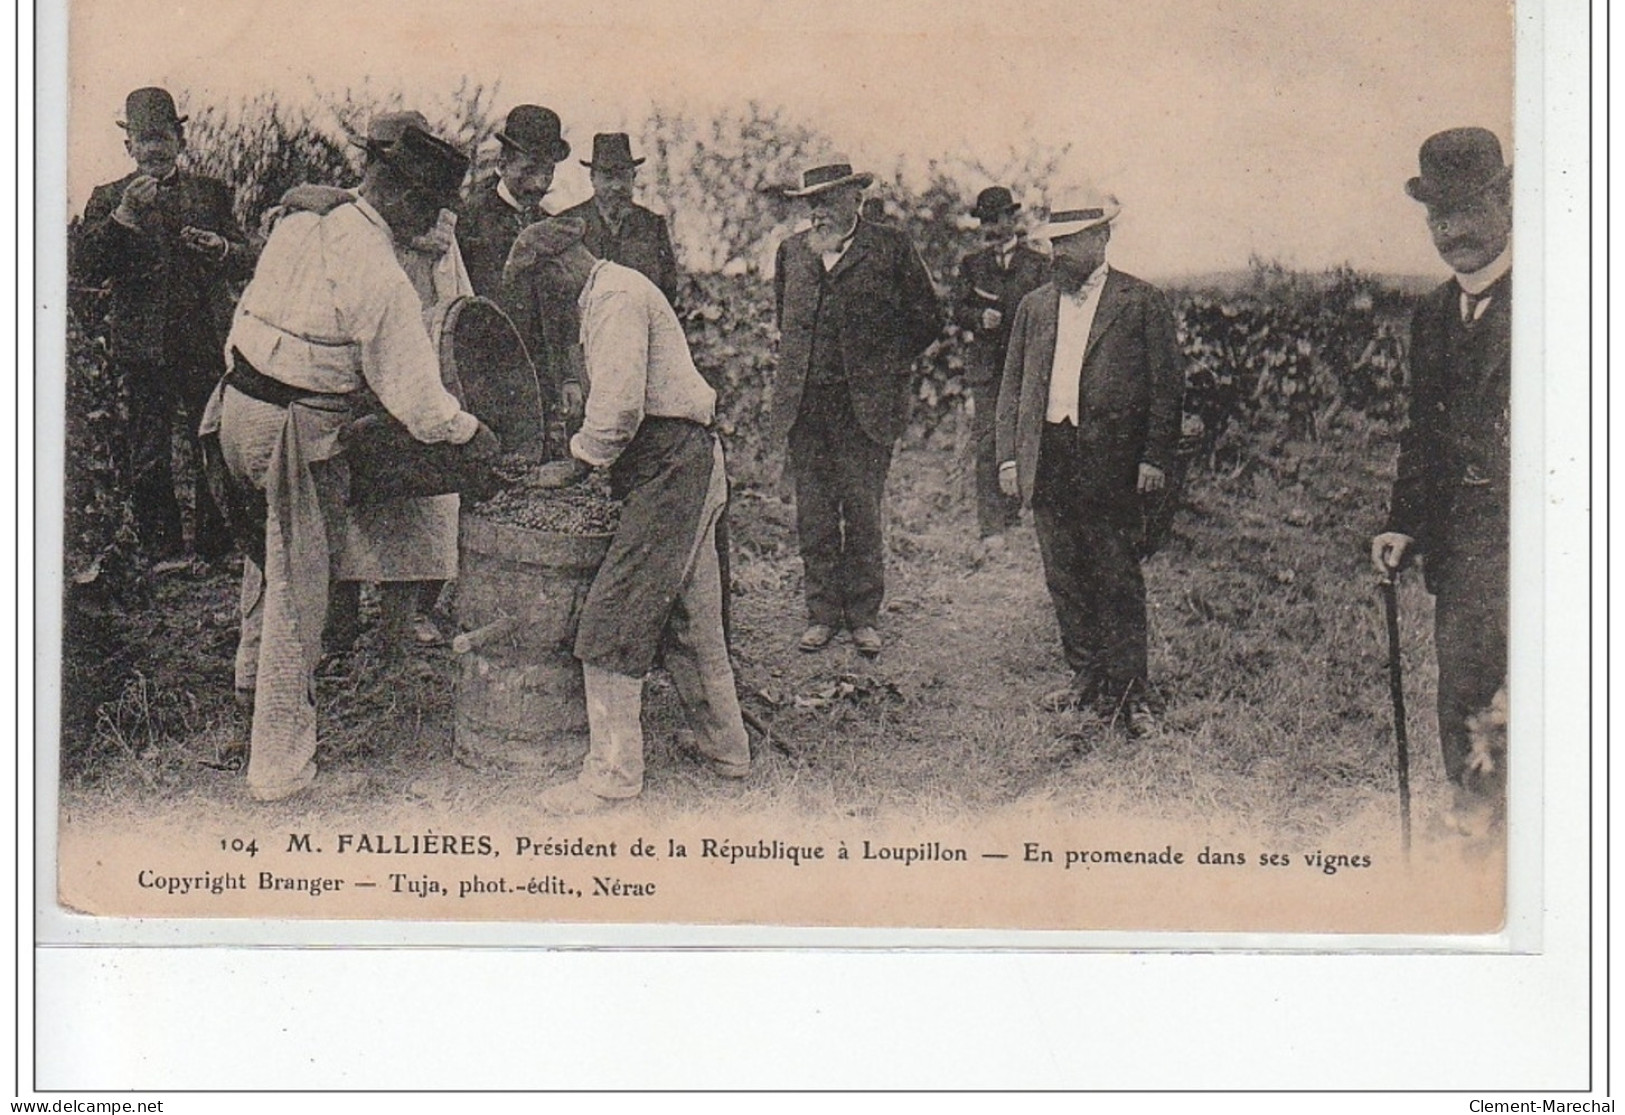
[519, 702]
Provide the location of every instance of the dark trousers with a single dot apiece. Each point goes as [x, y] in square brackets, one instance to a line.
[1470, 637]
[155, 392]
[994, 510]
[840, 478]
[1090, 569]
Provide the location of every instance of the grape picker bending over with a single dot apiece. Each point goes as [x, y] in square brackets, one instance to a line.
[648, 418]
[328, 310]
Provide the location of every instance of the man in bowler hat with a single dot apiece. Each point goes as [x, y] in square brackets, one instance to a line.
[617, 229]
[855, 308]
[992, 282]
[497, 209]
[1450, 499]
[167, 245]
[1088, 422]
[499, 206]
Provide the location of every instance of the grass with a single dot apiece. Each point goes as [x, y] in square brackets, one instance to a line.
[1266, 640]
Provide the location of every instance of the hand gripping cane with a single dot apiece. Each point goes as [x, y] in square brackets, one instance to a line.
[1396, 690]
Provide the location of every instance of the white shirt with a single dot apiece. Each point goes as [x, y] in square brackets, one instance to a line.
[1477, 282]
[329, 308]
[1005, 252]
[1072, 326]
[507, 195]
[637, 363]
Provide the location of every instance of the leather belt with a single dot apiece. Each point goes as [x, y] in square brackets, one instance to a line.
[261, 387]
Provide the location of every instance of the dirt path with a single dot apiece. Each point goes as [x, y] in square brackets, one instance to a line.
[1263, 630]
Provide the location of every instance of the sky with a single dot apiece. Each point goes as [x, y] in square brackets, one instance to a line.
[1227, 128]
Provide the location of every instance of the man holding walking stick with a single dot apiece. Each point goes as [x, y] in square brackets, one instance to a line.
[1450, 498]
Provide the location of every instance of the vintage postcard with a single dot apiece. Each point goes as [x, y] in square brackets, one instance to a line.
[1009, 466]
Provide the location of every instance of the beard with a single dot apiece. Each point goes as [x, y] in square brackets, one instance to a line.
[1070, 274]
[824, 236]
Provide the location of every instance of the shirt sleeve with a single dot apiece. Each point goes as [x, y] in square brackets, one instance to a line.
[379, 304]
[615, 337]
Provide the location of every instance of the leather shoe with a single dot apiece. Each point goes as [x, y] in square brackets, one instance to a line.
[688, 741]
[1126, 711]
[867, 640]
[1079, 693]
[816, 637]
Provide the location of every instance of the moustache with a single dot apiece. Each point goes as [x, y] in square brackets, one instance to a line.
[1458, 244]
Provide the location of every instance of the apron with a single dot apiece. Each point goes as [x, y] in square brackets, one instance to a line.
[663, 477]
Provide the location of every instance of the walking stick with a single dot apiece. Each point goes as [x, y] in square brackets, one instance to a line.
[1396, 690]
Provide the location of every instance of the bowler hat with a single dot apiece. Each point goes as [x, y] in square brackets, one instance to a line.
[993, 203]
[536, 131]
[1079, 212]
[816, 180]
[1456, 165]
[612, 151]
[149, 108]
[428, 161]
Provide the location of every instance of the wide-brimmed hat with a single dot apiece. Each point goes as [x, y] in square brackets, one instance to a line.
[993, 203]
[1458, 164]
[611, 151]
[536, 131]
[385, 129]
[829, 176]
[149, 108]
[1079, 212]
[428, 161]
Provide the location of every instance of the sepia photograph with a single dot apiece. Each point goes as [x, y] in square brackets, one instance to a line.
[1038, 466]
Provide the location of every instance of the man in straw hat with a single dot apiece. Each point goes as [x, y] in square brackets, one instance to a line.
[855, 308]
[1451, 497]
[618, 229]
[992, 282]
[166, 243]
[648, 423]
[1088, 420]
[329, 310]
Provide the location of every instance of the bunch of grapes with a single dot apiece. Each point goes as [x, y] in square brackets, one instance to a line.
[580, 509]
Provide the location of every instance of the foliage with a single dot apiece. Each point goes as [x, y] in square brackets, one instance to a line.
[261, 145]
[1291, 352]
[102, 558]
[722, 179]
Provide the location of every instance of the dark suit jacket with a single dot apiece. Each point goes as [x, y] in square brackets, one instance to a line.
[1130, 390]
[169, 304]
[979, 276]
[643, 244]
[487, 226]
[887, 314]
[1454, 456]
